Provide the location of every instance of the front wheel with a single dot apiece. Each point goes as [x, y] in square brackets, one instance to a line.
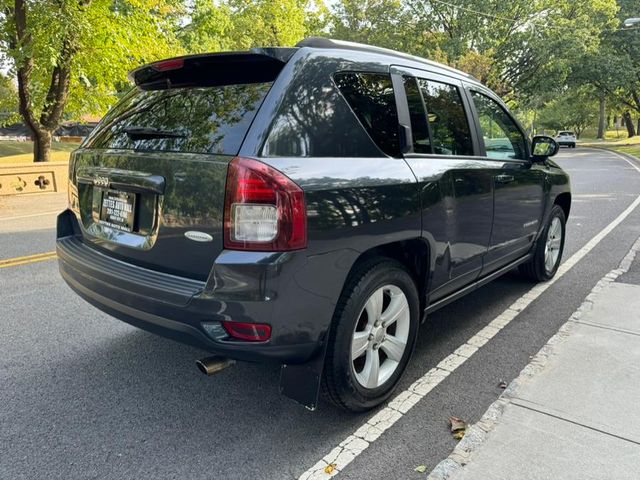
[548, 253]
[372, 336]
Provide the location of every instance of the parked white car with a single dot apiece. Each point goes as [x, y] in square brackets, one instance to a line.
[566, 138]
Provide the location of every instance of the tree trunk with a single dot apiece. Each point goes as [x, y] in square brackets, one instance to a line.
[628, 122]
[42, 146]
[602, 119]
[41, 128]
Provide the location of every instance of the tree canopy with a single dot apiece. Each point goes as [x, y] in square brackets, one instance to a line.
[69, 58]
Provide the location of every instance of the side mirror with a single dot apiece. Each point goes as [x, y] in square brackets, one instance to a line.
[543, 147]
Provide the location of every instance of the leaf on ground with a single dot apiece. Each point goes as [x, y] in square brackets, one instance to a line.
[421, 468]
[330, 468]
[458, 427]
[457, 424]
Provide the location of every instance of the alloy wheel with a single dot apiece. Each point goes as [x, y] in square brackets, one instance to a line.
[380, 336]
[553, 245]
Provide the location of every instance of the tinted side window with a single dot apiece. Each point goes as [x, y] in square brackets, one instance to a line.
[314, 120]
[419, 127]
[450, 131]
[502, 138]
[370, 96]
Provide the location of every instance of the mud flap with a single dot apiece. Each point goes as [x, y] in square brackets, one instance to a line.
[301, 382]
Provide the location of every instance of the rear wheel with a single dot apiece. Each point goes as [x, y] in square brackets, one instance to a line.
[372, 336]
[548, 253]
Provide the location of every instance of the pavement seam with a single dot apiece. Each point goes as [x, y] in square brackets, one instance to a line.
[347, 451]
[606, 327]
[31, 215]
[573, 422]
[477, 433]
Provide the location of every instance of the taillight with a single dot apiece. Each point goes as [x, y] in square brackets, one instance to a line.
[264, 210]
[249, 332]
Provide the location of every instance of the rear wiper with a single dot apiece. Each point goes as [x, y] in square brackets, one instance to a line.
[145, 133]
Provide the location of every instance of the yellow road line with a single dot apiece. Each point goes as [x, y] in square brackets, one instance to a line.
[14, 262]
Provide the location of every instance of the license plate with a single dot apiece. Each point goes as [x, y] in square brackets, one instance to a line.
[118, 210]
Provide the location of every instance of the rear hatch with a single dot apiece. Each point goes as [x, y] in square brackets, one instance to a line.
[148, 183]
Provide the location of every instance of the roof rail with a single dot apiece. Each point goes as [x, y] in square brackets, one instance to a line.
[322, 42]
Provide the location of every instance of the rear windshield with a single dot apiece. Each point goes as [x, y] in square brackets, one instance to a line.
[565, 133]
[197, 120]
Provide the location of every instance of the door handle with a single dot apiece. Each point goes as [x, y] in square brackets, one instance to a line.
[504, 178]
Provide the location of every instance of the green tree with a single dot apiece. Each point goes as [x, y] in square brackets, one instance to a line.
[209, 29]
[622, 83]
[267, 22]
[72, 55]
[521, 48]
[385, 23]
[242, 24]
[8, 101]
[574, 110]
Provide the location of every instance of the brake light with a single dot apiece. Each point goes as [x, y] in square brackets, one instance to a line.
[264, 209]
[166, 65]
[250, 332]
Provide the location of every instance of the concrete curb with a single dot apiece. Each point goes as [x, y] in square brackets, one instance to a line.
[477, 433]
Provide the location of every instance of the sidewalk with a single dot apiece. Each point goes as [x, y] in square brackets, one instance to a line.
[22, 213]
[573, 413]
[12, 206]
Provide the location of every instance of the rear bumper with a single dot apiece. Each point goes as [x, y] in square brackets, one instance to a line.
[255, 287]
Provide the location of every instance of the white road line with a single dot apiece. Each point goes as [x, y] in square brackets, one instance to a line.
[627, 160]
[366, 434]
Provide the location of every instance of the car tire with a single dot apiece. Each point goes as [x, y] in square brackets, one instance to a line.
[378, 285]
[548, 250]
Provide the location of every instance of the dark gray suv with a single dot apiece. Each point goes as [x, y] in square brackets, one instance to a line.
[307, 206]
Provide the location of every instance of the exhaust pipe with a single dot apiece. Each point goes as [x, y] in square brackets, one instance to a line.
[212, 365]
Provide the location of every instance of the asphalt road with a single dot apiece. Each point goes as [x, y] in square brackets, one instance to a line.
[83, 395]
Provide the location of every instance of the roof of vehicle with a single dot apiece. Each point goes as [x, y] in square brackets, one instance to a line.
[177, 71]
[328, 43]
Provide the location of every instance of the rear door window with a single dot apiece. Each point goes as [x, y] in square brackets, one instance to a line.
[417, 114]
[447, 120]
[371, 97]
[197, 120]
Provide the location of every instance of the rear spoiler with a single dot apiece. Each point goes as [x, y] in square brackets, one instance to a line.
[213, 69]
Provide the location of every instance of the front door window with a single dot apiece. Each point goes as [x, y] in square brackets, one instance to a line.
[502, 137]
